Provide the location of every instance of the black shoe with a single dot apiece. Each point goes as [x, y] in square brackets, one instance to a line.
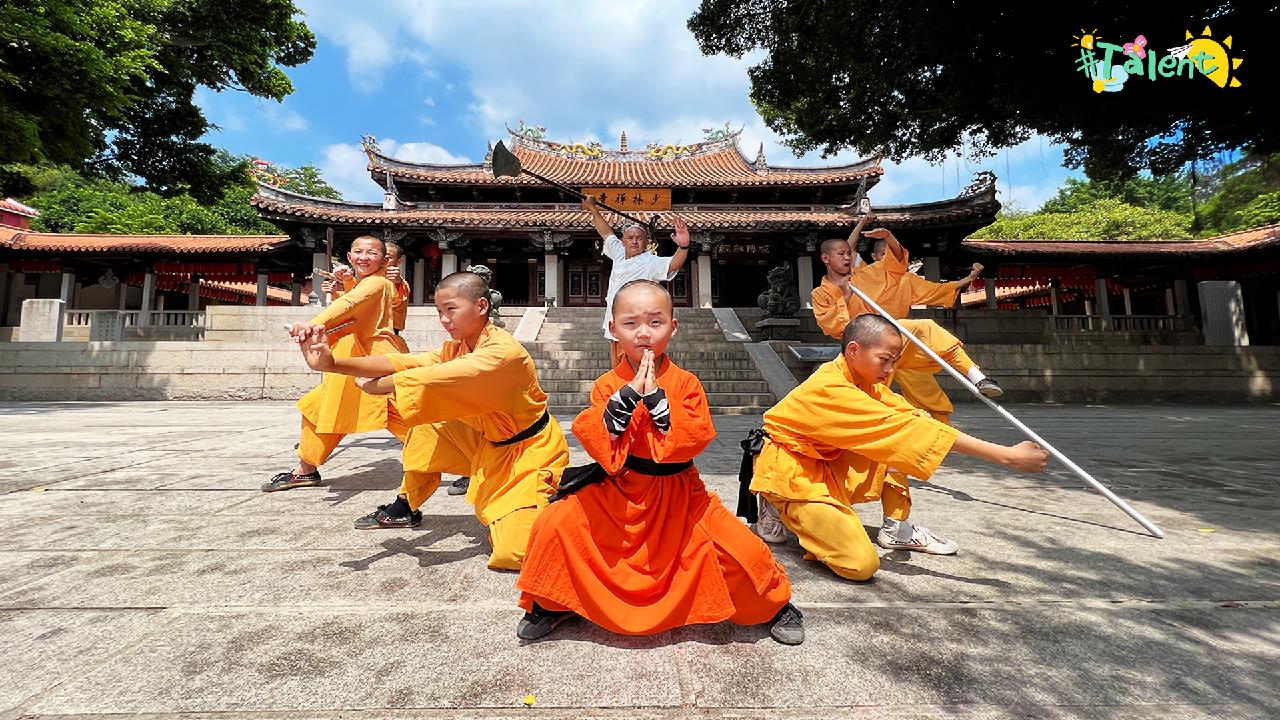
[989, 388]
[289, 481]
[379, 519]
[788, 626]
[540, 622]
[459, 486]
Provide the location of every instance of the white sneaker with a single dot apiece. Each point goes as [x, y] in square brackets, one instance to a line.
[769, 526]
[921, 541]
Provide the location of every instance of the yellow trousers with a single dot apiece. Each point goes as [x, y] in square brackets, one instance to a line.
[915, 371]
[832, 533]
[314, 448]
[452, 447]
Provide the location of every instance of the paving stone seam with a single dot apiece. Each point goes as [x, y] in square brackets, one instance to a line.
[1136, 604]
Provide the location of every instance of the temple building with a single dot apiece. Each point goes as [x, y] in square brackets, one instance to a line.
[745, 215]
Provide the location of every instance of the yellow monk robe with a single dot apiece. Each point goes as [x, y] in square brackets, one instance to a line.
[399, 306]
[459, 401]
[636, 553]
[891, 284]
[337, 406]
[831, 444]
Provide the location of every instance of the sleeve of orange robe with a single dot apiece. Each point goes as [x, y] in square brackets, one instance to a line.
[888, 431]
[927, 292]
[400, 304]
[356, 304]
[477, 382]
[691, 426]
[830, 311]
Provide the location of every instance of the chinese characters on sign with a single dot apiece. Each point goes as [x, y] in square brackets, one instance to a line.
[654, 199]
[741, 251]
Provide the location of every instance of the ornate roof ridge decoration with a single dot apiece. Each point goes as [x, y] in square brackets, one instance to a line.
[984, 182]
[533, 138]
[981, 191]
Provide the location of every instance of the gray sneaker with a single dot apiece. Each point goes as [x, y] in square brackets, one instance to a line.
[459, 486]
[922, 540]
[788, 626]
[989, 388]
[769, 525]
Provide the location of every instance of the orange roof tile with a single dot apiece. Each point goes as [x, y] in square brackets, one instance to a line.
[709, 164]
[17, 208]
[18, 239]
[1254, 239]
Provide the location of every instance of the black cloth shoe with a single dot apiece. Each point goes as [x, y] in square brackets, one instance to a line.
[788, 626]
[540, 622]
[289, 481]
[379, 519]
[459, 486]
[989, 388]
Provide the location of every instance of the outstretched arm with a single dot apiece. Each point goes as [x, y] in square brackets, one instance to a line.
[681, 238]
[1026, 456]
[314, 343]
[895, 247]
[601, 225]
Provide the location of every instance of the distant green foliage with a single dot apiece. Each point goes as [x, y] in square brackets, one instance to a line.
[1102, 219]
[70, 202]
[1172, 192]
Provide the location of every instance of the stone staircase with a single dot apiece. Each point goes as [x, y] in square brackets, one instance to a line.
[571, 353]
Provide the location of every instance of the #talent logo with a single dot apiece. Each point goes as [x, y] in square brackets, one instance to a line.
[1203, 55]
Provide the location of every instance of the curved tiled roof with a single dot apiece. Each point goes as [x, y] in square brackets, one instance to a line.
[281, 204]
[17, 208]
[1260, 238]
[709, 164]
[19, 239]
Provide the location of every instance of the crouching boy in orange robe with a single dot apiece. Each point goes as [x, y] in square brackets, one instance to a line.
[637, 545]
[474, 407]
[843, 438]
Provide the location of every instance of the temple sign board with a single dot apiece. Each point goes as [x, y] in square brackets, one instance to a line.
[653, 199]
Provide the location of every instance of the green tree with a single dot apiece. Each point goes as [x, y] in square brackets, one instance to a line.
[974, 77]
[107, 86]
[1171, 192]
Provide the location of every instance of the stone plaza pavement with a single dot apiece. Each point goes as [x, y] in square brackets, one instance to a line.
[144, 574]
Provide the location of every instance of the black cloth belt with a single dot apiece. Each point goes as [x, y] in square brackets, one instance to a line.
[396, 331]
[576, 478]
[748, 505]
[528, 432]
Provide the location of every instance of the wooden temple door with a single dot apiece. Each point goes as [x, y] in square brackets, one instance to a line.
[588, 282]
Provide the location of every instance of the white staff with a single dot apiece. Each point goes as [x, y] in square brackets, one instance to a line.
[1150, 526]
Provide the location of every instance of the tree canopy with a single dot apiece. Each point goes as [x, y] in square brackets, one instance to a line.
[70, 202]
[927, 80]
[107, 87]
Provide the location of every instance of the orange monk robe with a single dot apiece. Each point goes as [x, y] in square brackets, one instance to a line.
[399, 306]
[337, 406]
[831, 444]
[459, 401]
[893, 287]
[638, 554]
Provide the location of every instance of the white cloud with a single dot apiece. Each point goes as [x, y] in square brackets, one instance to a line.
[591, 71]
[282, 119]
[345, 166]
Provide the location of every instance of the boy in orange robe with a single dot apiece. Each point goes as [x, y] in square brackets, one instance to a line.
[640, 546]
[843, 438]
[473, 407]
[345, 281]
[337, 407]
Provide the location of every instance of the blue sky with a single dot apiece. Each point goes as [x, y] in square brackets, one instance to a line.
[434, 80]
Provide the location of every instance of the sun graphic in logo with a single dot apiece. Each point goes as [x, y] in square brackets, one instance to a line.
[1217, 65]
[1086, 40]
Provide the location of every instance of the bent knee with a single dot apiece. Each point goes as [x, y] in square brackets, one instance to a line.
[506, 559]
[860, 570]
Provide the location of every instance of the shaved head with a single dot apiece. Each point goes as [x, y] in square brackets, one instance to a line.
[637, 288]
[381, 243]
[465, 284]
[830, 244]
[868, 331]
[395, 249]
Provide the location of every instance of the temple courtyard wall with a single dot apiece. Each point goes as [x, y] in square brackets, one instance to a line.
[244, 355]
